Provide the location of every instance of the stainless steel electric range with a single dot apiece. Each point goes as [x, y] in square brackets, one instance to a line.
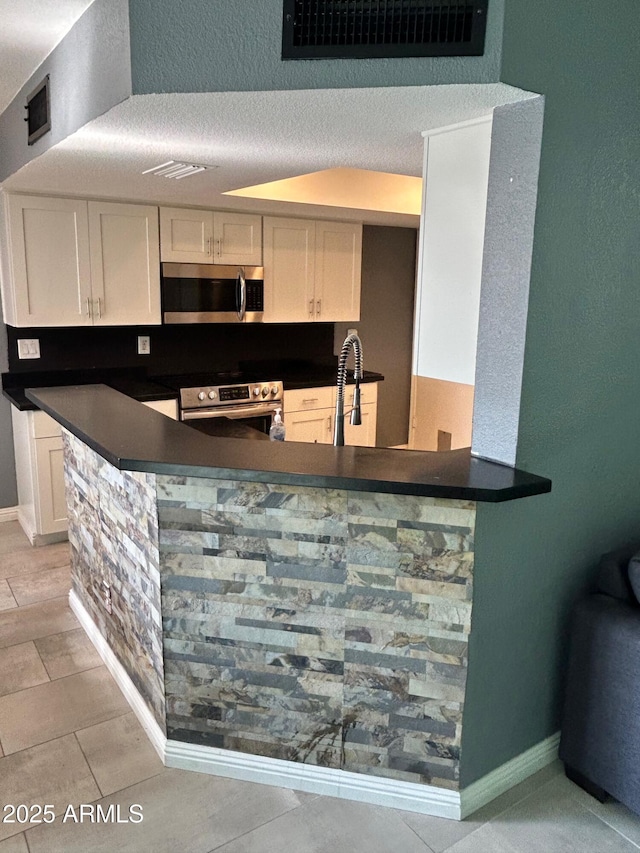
[203, 397]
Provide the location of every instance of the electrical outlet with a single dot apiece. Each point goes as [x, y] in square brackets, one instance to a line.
[28, 348]
[144, 345]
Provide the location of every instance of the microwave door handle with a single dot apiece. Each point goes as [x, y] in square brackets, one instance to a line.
[241, 286]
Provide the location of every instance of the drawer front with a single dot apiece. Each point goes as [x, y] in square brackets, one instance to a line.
[43, 426]
[307, 399]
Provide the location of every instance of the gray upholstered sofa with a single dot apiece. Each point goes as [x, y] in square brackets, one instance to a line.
[600, 741]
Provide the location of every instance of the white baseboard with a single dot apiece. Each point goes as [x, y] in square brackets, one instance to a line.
[8, 513]
[138, 705]
[509, 775]
[26, 522]
[376, 790]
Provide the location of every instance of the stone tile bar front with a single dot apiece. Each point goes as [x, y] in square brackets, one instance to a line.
[292, 628]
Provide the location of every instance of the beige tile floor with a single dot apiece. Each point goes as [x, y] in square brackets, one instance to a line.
[67, 738]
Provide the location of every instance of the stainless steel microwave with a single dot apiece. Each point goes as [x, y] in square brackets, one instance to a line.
[208, 293]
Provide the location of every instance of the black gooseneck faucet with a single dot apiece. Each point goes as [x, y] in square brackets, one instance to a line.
[354, 341]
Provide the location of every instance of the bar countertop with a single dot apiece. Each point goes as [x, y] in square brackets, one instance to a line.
[135, 438]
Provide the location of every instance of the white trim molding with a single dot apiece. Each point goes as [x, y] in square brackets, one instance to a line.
[328, 781]
[8, 513]
[138, 705]
[343, 784]
[508, 775]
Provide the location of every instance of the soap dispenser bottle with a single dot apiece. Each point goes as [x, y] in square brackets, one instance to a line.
[277, 429]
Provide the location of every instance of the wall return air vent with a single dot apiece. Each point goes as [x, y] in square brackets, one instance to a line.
[373, 29]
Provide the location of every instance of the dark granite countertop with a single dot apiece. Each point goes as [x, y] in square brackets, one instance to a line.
[136, 438]
[302, 373]
[139, 386]
[135, 385]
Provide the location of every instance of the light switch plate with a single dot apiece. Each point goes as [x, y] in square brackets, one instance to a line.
[144, 345]
[28, 348]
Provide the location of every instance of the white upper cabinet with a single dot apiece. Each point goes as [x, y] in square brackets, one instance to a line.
[289, 270]
[78, 263]
[186, 236]
[49, 281]
[125, 264]
[207, 237]
[312, 270]
[338, 271]
[237, 239]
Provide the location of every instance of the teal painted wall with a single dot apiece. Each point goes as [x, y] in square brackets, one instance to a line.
[222, 45]
[580, 417]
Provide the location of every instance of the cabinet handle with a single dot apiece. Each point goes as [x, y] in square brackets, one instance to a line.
[209, 246]
[99, 308]
[319, 307]
[219, 246]
[329, 423]
[311, 307]
[88, 307]
[310, 400]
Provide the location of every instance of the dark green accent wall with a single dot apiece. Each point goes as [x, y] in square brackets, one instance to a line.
[235, 45]
[580, 417]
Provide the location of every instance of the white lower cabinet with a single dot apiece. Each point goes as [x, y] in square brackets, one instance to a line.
[315, 426]
[363, 435]
[309, 415]
[42, 506]
[37, 443]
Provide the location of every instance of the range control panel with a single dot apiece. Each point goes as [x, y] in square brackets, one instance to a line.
[227, 395]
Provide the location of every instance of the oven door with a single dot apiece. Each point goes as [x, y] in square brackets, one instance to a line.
[258, 417]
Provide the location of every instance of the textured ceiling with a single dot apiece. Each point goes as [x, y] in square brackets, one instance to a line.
[254, 137]
[29, 30]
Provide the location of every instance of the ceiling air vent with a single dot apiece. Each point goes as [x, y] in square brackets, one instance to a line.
[173, 169]
[367, 29]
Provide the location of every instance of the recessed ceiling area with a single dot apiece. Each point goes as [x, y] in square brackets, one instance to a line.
[256, 138]
[356, 188]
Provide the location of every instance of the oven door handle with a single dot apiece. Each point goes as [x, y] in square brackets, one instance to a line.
[232, 411]
[241, 294]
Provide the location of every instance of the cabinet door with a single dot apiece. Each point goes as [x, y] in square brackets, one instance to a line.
[186, 236]
[289, 270]
[49, 240]
[338, 271]
[51, 495]
[125, 264]
[363, 435]
[237, 239]
[315, 426]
